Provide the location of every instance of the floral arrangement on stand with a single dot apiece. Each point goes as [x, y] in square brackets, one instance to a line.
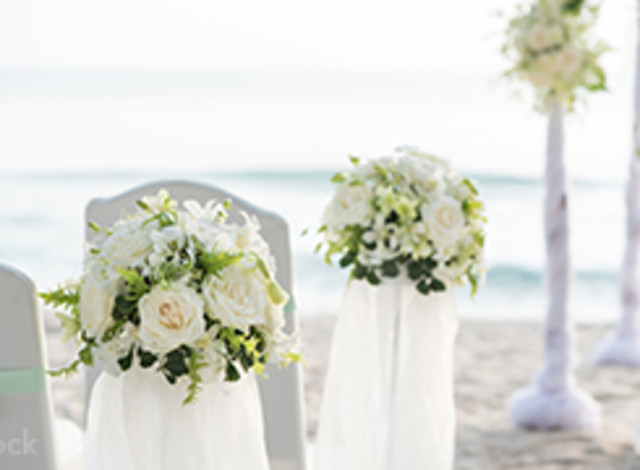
[410, 211]
[186, 293]
[550, 45]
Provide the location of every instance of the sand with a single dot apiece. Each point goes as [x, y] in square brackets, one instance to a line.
[492, 361]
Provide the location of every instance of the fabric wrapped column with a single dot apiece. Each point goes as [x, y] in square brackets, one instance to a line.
[388, 400]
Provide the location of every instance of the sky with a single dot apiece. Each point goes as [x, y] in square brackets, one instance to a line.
[287, 84]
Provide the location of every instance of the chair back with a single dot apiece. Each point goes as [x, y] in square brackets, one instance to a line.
[281, 393]
[26, 415]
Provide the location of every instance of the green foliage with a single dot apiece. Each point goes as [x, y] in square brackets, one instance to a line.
[423, 287]
[473, 281]
[372, 278]
[135, 285]
[246, 350]
[66, 372]
[195, 364]
[168, 272]
[175, 363]
[467, 182]
[390, 269]
[213, 262]
[67, 297]
[231, 373]
[339, 178]
[146, 358]
[125, 362]
[573, 6]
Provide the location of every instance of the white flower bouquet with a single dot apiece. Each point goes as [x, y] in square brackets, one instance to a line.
[186, 293]
[550, 45]
[408, 211]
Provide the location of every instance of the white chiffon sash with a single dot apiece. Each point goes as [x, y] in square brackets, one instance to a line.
[388, 400]
[137, 422]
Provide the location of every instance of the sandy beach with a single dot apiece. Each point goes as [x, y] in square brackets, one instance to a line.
[492, 361]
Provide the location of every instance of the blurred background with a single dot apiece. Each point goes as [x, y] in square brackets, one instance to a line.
[267, 99]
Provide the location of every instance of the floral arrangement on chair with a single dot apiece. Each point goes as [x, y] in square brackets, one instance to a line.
[186, 293]
[408, 211]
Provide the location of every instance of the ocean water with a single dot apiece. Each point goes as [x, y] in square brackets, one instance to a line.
[41, 232]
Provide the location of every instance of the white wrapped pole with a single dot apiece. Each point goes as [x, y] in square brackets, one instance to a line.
[554, 401]
[622, 346]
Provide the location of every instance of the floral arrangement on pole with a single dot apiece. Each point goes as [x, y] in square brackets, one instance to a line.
[186, 293]
[551, 47]
[410, 211]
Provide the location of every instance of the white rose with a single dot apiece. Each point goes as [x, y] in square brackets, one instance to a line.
[97, 298]
[445, 221]
[351, 205]
[544, 70]
[170, 317]
[541, 37]
[129, 244]
[569, 61]
[238, 298]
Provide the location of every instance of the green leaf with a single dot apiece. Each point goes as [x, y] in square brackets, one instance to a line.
[338, 178]
[359, 272]
[196, 362]
[414, 269]
[214, 262]
[373, 279]
[135, 284]
[125, 362]
[113, 330]
[95, 227]
[437, 285]
[354, 160]
[348, 258]
[467, 182]
[67, 297]
[86, 355]
[473, 280]
[66, 372]
[390, 269]
[175, 361]
[143, 205]
[423, 287]
[231, 373]
[147, 359]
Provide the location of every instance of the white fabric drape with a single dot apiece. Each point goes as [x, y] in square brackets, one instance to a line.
[137, 422]
[388, 400]
[622, 346]
[554, 401]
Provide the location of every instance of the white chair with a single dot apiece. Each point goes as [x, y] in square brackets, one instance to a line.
[28, 431]
[281, 393]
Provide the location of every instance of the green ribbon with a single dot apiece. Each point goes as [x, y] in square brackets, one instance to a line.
[22, 381]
